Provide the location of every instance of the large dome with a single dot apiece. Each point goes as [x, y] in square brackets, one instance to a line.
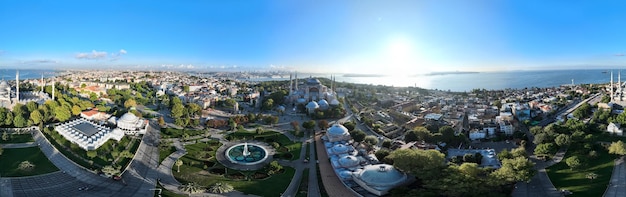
[323, 103]
[129, 118]
[334, 102]
[313, 82]
[338, 130]
[381, 175]
[340, 149]
[312, 105]
[4, 85]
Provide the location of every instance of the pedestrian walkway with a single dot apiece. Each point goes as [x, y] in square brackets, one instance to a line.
[332, 184]
[540, 184]
[19, 145]
[617, 185]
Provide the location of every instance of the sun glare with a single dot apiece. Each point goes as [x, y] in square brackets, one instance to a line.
[399, 57]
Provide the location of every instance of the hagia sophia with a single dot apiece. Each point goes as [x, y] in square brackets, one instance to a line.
[312, 91]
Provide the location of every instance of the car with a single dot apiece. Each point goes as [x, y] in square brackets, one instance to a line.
[117, 178]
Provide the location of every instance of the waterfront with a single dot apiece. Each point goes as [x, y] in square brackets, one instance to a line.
[486, 80]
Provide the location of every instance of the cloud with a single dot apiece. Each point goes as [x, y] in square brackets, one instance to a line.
[93, 55]
[117, 56]
[122, 51]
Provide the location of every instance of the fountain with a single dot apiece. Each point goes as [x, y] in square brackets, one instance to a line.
[246, 154]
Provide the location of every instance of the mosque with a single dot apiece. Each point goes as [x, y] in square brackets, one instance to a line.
[312, 93]
[9, 95]
[617, 93]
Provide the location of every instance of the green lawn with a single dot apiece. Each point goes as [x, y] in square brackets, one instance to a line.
[18, 138]
[304, 184]
[178, 133]
[200, 159]
[11, 158]
[576, 182]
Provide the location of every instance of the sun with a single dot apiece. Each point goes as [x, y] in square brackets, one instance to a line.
[399, 56]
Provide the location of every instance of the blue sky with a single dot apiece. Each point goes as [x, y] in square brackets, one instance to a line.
[392, 37]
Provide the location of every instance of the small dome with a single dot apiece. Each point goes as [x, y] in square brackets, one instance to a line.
[381, 175]
[337, 130]
[128, 117]
[301, 100]
[323, 103]
[345, 174]
[334, 102]
[340, 148]
[312, 105]
[313, 81]
[4, 85]
[280, 108]
[348, 161]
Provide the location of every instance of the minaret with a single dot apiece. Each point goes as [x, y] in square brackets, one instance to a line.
[611, 86]
[53, 89]
[290, 85]
[296, 81]
[17, 85]
[43, 83]
[619, 84]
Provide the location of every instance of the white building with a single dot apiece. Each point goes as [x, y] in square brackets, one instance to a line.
[87, 135]
[131, 124]
[614, 128]
[337, 133]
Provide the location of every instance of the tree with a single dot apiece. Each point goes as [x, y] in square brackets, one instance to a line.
[1, 150]
[617, 148]
[36, 117]
[178, 110]
[161, 121]
[267, 104]
[274, 167]
[573, 162]
[514, 170]
[544, 149]
[126, 154]
[19, 121]
[504, 154]
[91, 154]
[386, 143]
[562, 140]
[371, 140]
[540, 138]
[322, 124]
[75, 110]
[295, 125]
[309, 125]
[358, 135]
[191, 188]
[62, 113]
[424, 164]
[220, 188]
[26, 166]
[130, 103]
[382, 154]
[178, 164]
[470, 169]
[110, 170]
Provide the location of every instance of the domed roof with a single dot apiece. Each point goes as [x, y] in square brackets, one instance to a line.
[312, 105]
[348, 161]
[323, 103]
[337, 130]
[345, 174]
[340, 148]
[301, 100]
[334, 102]
[128, 117]
[4, 84]
[280, 108]
[381, 175]
[313, 81]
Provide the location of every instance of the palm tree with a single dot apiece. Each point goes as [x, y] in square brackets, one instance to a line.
[592, 176]
[191, 188]
[26, 166]
[110, 170]
[220, 188]
[178, 164]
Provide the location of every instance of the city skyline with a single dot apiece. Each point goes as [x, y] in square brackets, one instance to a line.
[398, 38]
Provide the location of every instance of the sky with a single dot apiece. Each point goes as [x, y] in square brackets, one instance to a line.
[366, 36]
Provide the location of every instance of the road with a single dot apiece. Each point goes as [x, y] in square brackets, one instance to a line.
[617, 185]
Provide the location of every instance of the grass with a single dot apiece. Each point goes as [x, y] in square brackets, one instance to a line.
[178, 133]
[165, 152]
[12, 157]
[200, 159]
[18, 138]
[304, 184]
[575, 181]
